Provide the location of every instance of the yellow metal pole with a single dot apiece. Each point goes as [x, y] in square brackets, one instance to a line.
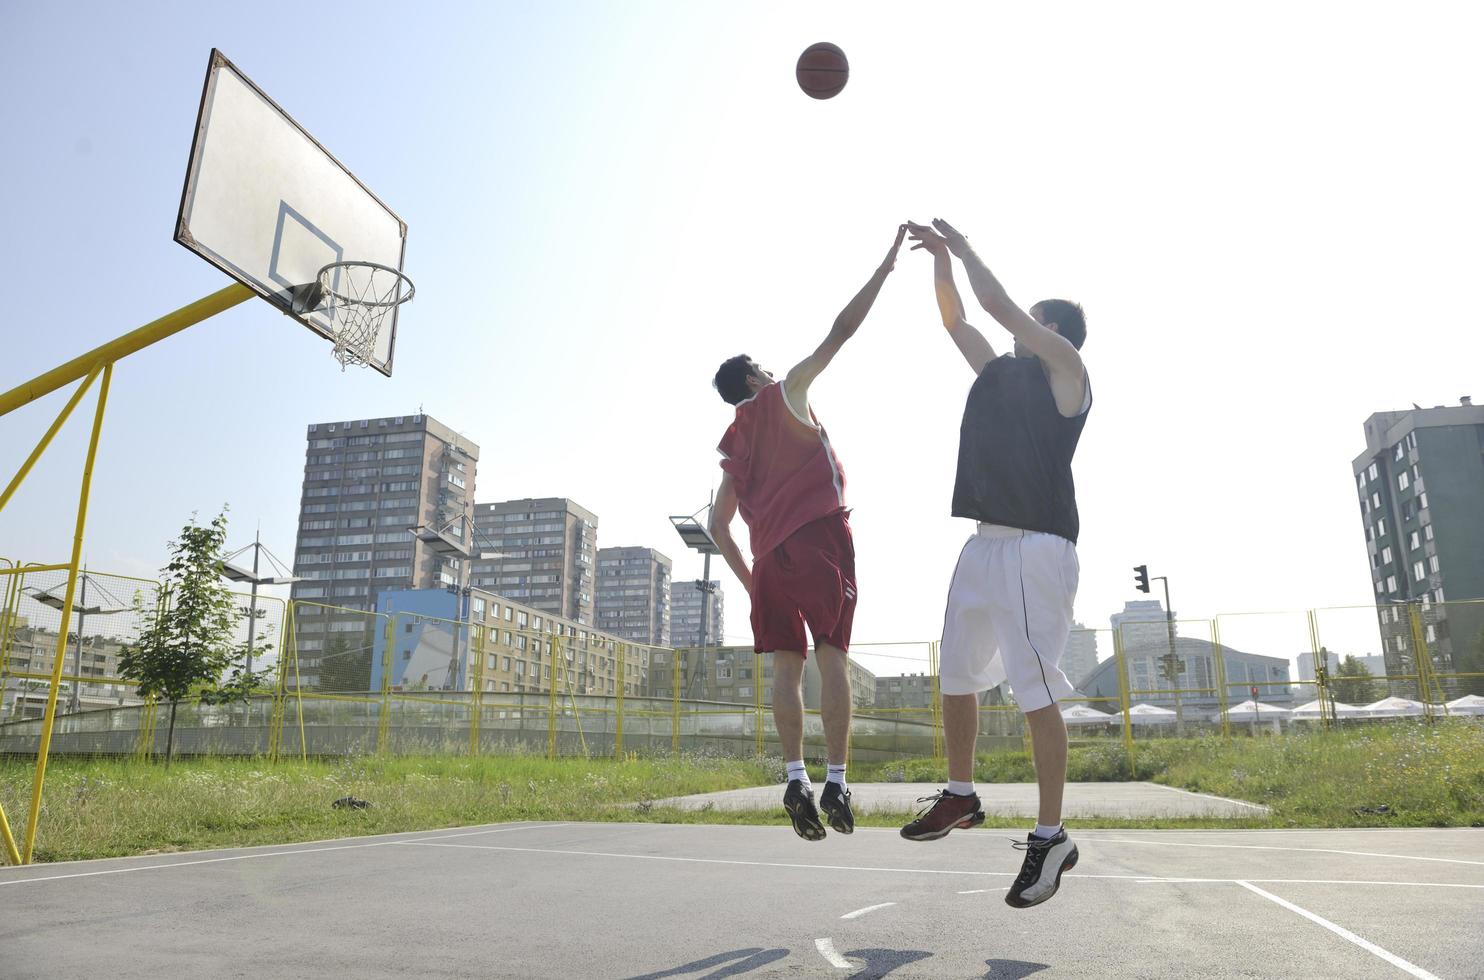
[280, 694]
[551, 701]
[936, 713]
[675, 702]
[1425, 675]
[476, 701]
[1122, 665]
[11, 853]
[757, 700]
[46, 440]
[129, 343]
[623, 653]
[383, 721]
[1223, 695]
[51, 699]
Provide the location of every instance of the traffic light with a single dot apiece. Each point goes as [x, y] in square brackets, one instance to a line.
[1141, 578]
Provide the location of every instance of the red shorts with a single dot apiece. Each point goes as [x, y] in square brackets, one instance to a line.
[809, 578]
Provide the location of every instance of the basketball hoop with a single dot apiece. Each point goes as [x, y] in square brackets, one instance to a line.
[357, 296]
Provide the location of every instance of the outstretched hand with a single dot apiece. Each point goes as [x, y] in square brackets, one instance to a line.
[927, 239]
[957, 243]
[890, 261]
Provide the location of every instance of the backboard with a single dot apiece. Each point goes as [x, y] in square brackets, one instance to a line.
[269, 206]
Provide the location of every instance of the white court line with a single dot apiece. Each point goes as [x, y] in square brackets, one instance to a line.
[869, 908]
[1344, 933]
[981, 891]
[1208, 796]
[1139, 879]
[826, 949]
[1275, 847]
[248, 857]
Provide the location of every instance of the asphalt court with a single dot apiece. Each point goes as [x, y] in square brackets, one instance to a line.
[689, 901]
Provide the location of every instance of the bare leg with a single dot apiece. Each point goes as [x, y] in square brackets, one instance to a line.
[834, 700]
[788, 703]
[1049, 740]
[960, 732]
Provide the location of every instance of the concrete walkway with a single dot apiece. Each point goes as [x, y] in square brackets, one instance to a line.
[1135, 800]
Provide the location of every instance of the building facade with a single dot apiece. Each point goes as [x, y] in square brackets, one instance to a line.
[687, 601]
[905, 691]
[1376, 664]
[367, 484]
[444, 641]
[1081, 655]
[633, 595]
[1420, 483]
[548, 548]
[733, 675]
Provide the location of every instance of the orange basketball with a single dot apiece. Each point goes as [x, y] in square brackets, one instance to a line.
[822, 70]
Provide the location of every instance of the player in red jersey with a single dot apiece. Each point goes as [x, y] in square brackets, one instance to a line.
[779, 469]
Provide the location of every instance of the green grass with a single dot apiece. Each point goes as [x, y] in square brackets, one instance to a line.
[1424, 775]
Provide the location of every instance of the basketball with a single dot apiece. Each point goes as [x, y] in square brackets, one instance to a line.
[822, 70]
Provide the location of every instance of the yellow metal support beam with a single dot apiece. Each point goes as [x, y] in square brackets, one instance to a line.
[51, 700]
[46, 440]
[129, 343]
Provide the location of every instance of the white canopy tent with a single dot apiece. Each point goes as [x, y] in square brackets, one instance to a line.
[1148, 714]
[1469, 704]
[1250, 710]
[1081, 714]
[1393, 707]
[1310, 711]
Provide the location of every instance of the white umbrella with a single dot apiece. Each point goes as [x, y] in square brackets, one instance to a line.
[1081, 714]
[1469, 704]
[1249, 709]
[1393, 707]
[1310, 711]
[1148, 714]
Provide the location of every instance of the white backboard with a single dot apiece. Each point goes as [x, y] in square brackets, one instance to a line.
[270, 207]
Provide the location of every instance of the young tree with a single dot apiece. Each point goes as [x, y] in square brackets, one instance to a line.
[1354, 684]
[189, 646]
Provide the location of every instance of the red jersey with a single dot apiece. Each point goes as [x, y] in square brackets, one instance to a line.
[785, 472]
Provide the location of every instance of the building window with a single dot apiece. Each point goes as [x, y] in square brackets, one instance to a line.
[1391, 583]
[1418, 574]
[1381, 528]
[1403, 481]
[1386, 556]
[1376, 500]
[1427, 531]
[1422, 500]
[1433, 563]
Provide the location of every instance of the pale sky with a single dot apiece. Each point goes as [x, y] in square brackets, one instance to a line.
[1269, 211]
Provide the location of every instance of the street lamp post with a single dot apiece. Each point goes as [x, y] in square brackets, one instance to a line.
[80, 607]
[698, 538]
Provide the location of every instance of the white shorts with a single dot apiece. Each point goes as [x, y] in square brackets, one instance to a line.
[1008, 616]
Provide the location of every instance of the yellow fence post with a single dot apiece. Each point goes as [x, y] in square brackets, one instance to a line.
[384, 716]
[1426, 676]
[936, 707]
[51, 701]
[1123, 701]
[675, 702]
[476, 701]
[1218, 660]
[551, 705]
[1321, 673]
[759, 719]
[623, 656]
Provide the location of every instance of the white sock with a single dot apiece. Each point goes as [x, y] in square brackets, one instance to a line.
[1046, 833]
[964, 787]
[835, 774]
[797, 771]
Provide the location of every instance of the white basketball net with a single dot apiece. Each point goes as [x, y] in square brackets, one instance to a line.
[358, 297]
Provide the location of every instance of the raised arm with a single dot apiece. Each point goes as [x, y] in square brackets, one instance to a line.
[1062, 360]
[970, 342]
[720, 526]
[802, 375]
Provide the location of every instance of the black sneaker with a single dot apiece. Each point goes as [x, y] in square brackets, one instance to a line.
[1040, 873]
[799, 802]
[948, 812]
[836, 807]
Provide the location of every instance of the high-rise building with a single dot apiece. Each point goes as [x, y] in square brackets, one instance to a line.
[1142, 623]
[686, 605]
[633, 595]
[367, 484]
[1081, 655]
[547, 548]
[1375, 664]
[1421, 484]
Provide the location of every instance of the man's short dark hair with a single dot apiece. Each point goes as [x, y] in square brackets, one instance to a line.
[1068, 318]
[731, 379]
